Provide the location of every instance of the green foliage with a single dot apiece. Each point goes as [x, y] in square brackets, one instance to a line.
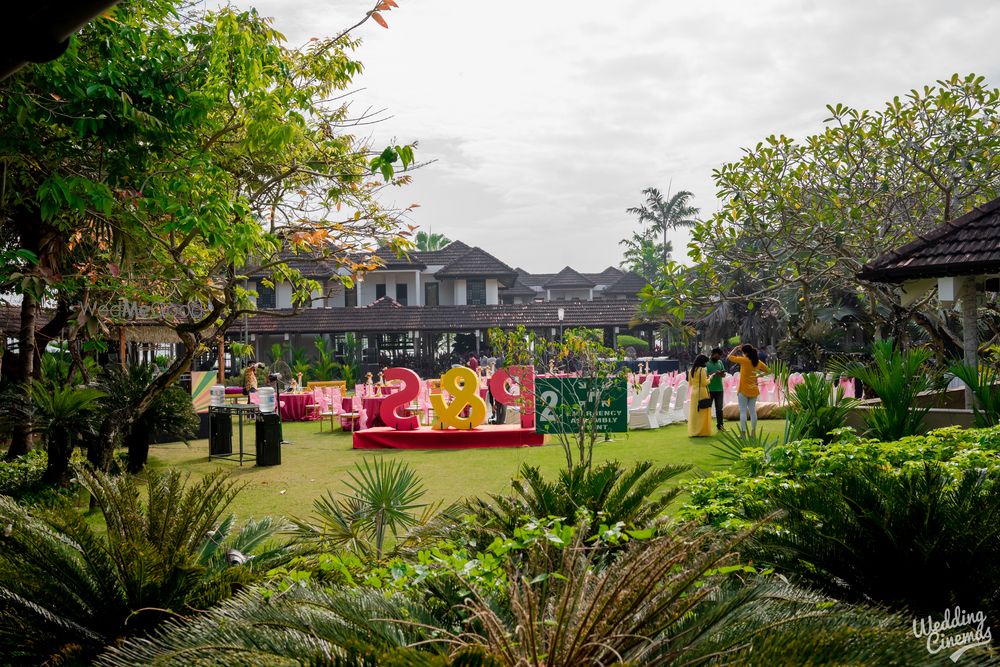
[897, 378]
[63, 415]
[23, 473]
[279, 351]
[644, 251]
[608, 494]
[985, 385]
[326, 360]
[625, 341]
[818, 409]
[383, 504]
[301, 625]
[350, 368]
[725, 497]
[800, 216]
[732, 447]
[428, 241]
[67, 590]
[868, 534]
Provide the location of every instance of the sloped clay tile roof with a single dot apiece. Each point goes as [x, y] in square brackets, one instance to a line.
[568, 278]
[386, 317]
[629, 284]
[964, 246]
[519, 289]
[477, 263]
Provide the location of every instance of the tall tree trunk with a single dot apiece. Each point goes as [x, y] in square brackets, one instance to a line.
[57, 469]
[20, 439]
[137, 441]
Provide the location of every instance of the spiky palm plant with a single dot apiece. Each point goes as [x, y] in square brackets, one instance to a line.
[984, 382]
[921, 540]
[427, 241]
[608, 493]
[731, 445]
[897, 378]
[341, 627]
[67, 589]
[669, 601]
[382, 508]
[63, 415]
[818, 407]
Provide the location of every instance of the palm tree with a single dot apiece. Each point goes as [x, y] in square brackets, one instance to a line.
[431, 241]
[62, 415]
[643, 255]
[665, 215]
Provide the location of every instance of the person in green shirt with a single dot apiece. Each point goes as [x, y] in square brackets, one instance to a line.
[716, 371]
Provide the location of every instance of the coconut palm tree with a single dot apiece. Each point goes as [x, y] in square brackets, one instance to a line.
[665, 214]
[430, 241]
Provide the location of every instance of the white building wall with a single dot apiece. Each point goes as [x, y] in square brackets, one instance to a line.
[283, 295]
[492, 291]
[460, 293]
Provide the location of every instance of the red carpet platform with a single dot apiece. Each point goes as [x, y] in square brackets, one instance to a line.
[426, 438]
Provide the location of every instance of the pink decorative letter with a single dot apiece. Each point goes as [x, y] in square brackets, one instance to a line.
[407, 394]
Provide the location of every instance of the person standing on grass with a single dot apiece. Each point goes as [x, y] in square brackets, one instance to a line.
[250, 378]
[716, 371]
[750, 368]
[699, 418]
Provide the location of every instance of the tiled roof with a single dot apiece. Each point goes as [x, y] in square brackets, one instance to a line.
[536, 279]
[390, 260]
[385, 316]
[310, 265]
[566, 279]
[964, 246]
[519, 289]
[477, 263]
[630, 284]
[444, 256]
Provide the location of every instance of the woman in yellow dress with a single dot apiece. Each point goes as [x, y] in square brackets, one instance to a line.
[699, 420]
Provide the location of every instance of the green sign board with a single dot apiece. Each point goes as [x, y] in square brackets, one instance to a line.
[561, 402]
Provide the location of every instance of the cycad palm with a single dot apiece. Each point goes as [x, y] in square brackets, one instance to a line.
[609, 493]
[62, 415]
[67, 590]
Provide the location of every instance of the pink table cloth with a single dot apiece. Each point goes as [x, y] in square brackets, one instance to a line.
[293, 407]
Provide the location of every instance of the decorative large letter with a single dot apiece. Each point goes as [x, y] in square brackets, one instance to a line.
[463, 386]
[524, 378]
[408, 393]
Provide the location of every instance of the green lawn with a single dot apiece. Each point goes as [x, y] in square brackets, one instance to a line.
[315, 462]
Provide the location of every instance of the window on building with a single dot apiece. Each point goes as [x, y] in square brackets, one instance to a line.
[265, 296]
[431, 294]
[401, 293]
[351, 297]
[475, 292]
[379, 291]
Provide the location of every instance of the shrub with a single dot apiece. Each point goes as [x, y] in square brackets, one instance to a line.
[919, 540]
[897, 378]
[638, 344]
[68, 589]
[722, 498]
[818, 408]
[984, 382]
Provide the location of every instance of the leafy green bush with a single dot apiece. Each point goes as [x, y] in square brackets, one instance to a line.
[721, 499]
[22, 473]
[920, 539]
[640, 345]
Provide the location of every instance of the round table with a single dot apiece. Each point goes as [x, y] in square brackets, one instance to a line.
[293, 407]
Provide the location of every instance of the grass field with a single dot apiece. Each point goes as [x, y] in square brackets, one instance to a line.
[316, 462]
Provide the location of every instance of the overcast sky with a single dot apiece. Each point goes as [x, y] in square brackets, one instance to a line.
[547, 119]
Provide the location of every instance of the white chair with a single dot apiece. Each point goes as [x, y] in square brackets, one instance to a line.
[679, 408]
[641, 398]
[663, 417]
[644, 416]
